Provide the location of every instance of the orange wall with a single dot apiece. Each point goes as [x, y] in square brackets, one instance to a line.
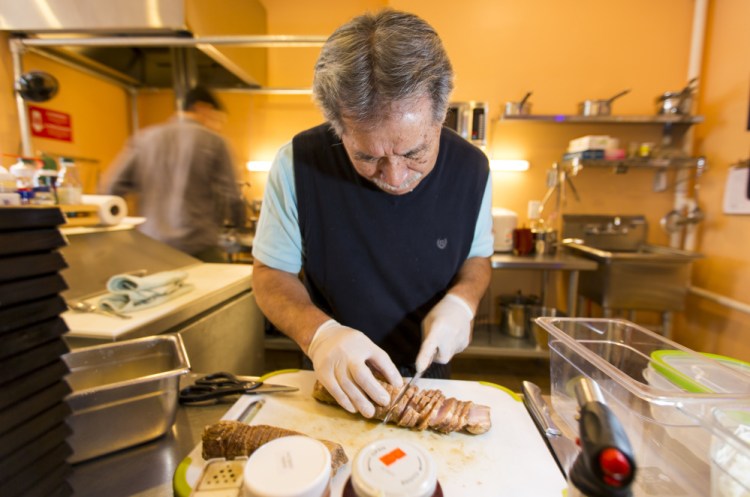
[723, 139]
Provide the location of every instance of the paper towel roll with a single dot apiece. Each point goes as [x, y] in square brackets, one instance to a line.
[112, 209]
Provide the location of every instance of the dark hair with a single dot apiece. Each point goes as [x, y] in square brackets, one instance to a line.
[378, 59]
[200, 94]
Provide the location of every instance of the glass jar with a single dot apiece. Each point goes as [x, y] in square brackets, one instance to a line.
[69, 188]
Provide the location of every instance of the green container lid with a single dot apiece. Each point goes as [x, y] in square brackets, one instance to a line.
[683, 370]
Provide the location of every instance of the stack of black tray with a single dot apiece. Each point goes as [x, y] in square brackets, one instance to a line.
[33, 448]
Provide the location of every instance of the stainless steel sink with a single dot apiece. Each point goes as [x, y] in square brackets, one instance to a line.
[651, 277]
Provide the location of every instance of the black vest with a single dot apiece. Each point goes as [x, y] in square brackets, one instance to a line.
[379, 262]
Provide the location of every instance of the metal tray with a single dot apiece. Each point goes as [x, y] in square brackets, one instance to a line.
[124, 393]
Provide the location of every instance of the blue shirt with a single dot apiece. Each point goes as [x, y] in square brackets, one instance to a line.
[278, 241]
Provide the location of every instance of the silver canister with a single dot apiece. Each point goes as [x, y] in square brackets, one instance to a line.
[544, 241]
[514, 314]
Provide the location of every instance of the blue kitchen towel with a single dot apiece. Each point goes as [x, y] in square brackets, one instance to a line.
[128, 293]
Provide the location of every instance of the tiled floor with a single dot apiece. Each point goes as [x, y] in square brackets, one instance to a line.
[508, 372]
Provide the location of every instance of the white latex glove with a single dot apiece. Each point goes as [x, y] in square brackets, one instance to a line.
[342, 358]
[446, 331]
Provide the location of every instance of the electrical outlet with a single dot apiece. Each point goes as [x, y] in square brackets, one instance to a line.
[221, 478]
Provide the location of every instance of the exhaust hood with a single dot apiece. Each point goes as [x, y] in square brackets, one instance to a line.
[144, 44]
[156, 66]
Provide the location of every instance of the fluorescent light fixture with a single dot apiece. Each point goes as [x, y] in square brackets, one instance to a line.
[509, 165]
[258, 165]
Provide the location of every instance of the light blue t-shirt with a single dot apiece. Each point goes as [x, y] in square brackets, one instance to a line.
[278, 241]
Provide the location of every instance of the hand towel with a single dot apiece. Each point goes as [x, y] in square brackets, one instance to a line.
[128, 293]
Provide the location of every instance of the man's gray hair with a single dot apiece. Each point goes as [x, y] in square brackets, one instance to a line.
[377, 59]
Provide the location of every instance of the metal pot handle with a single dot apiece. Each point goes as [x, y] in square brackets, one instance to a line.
[618, 95]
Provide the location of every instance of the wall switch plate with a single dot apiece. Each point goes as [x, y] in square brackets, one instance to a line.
[737, 191]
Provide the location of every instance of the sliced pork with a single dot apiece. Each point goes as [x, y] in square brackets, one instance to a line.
[422, 409]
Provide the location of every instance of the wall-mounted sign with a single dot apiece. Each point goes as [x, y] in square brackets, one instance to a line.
[46, 123]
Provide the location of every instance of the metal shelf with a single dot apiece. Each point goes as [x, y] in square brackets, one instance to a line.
[653, 163]
[629, 119]
[489, 341]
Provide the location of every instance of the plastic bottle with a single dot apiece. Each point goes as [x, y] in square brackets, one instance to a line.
[544, 237]
[8, 194]
[45, 190]
[45, 181]
[69, 188]
[24, 170]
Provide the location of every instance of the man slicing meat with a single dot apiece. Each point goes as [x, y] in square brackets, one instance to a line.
[372, 248]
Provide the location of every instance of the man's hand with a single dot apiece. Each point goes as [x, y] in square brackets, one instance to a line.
[446, 331]
[342, 358]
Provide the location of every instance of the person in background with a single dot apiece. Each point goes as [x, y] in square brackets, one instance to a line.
[372, 248]
[182, 175]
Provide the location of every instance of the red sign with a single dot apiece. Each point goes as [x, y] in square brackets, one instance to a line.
[46, 123]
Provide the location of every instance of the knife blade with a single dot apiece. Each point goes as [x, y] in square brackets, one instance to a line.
[564, 449]
[401, 394]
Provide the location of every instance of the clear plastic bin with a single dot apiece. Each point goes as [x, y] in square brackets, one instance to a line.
[730, 451]
[665, 424]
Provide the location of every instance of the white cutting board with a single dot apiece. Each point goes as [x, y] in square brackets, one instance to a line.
[511, 459]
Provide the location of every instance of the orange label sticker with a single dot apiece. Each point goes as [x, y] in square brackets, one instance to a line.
[392, 456]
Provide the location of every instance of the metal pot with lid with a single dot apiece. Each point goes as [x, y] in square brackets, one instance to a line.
[599, 107]
[513, 313]
[676, 102]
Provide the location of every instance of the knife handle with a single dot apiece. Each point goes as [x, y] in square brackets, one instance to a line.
[539, 408]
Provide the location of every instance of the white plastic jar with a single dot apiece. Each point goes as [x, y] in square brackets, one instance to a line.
[294, 466]
[393, 467]
[8, 194]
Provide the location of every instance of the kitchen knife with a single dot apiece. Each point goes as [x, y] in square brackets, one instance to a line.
[564, 449]
[400, 395]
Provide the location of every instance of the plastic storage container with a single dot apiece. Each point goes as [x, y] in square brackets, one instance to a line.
[393, 467]
[665, 423]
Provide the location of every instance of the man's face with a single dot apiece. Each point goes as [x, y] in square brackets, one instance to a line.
[398, 152]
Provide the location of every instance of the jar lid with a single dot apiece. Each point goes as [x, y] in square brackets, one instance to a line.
[394, 468]
[294, 466]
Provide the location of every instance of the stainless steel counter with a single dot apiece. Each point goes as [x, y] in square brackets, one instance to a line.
[561, 261]
[147, 469]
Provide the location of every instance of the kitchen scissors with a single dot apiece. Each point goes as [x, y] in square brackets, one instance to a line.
[215, 386]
